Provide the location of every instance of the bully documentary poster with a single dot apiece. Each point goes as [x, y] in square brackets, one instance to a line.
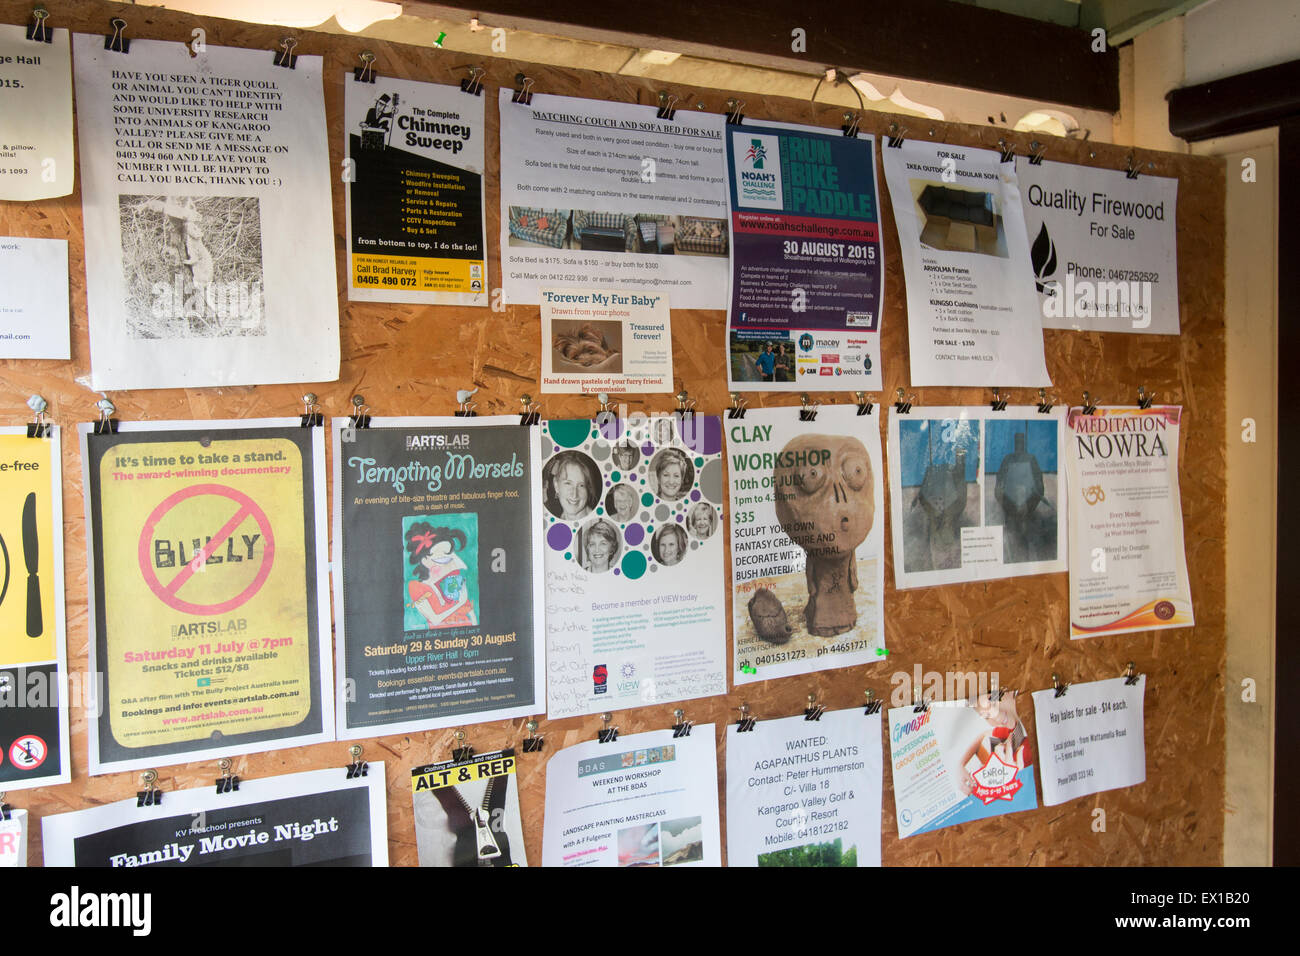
[436, 532]
[807, 277]
[415, 198]
[807, 541]
[209, 608]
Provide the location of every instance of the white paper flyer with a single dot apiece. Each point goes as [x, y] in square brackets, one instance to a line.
[208, 219]
[34, 313]
[805, 793]
[1128, 570]
[635, 601]
[976, 493]
[644, 800]
[807, 541]
[600, 193]
[1091, 738]
[13, 839]
[973, 317]
[1104, 247]
[36, 103]
[606, 340]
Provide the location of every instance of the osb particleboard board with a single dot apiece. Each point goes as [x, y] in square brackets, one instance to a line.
[410, 360]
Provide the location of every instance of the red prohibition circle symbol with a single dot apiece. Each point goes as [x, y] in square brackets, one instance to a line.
[246, 508]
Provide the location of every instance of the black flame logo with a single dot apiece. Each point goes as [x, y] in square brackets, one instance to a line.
[1043, 256]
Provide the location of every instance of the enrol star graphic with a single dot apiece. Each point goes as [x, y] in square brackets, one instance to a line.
[155, 551]
[996, 780]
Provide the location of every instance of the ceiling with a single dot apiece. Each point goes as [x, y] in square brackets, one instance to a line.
[1121, 19]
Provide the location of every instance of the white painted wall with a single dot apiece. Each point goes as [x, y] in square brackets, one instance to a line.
[1224, 37]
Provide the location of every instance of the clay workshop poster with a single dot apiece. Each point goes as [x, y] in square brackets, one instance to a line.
[600, 194]
[318, 818]
[36, 103]
[208, 218]
[467, 812]
[808, 269]
[960, 760]
[643, 800]
[632, 520]
[1104, 247]
[415, 193]
[805, 793]
[973, 317]
[976, 493]
[209, 604]
[1092, 738]
[807, 541]
[437, 535]
[35, 688]
[1128, 569]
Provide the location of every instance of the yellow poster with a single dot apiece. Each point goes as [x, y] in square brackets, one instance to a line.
[205, 544]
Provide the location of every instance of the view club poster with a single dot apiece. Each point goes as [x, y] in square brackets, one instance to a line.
[35, 687]
[437, 535]
[209, 608]
[415, 193]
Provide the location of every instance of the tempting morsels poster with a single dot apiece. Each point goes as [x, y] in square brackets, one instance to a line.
[808, 270]
[635, 602]
[35, 688]
[1128, 569]
[208, 220]
[438, 537]
[415, 193]
[807, 541]
[209, 608]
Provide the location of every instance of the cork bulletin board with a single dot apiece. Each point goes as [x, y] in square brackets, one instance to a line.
[1016, 627]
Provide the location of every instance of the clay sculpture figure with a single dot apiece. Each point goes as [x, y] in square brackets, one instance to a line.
[825, 502]
[769, 617]
[1018, 491]
[942, 496]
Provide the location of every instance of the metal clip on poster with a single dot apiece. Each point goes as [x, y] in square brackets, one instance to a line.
[534, 742]
[531, 414]
[150, 796]
[865, 405]
[1131, 169]
[604, 414]
[737, 409]
[227, 782]
[807, 408]
[359, 417]
[1008, 151]
[473, 84]
[365, 73]
[904, 407]
[746, 724]
[285, 56]
[735, 112]
[463, 753]
[1089, 408]
[1044, 406]
[999, 403]
[36, 30]
[1058, 686]
[464, 407]
[523, 94]
[667, 106]
[852, 123]
[683, 726]
[896, 134]
[919, 705]
[1145, 398]
[814, 710]
[311, 416]
[39, 428]
[609, 734]
[1131, 676]
[1036, 153]
[873, 705]
[107, 424]
[117, 41]
[685, 407]
[358, 767]
[4, 807]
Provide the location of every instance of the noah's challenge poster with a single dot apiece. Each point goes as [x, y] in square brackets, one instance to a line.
[207, 561]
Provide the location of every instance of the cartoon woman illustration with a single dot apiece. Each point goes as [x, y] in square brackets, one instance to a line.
[702, 520]
[570, 483]
[673, 473]
[668, 544]
[439, 592]
[600, 546]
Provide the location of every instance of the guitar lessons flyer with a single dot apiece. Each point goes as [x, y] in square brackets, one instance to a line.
[35, 689]
[807, 280]
[437, 536]
[1128, 569]
[415, 197]
[209, 607]
[807, 541]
